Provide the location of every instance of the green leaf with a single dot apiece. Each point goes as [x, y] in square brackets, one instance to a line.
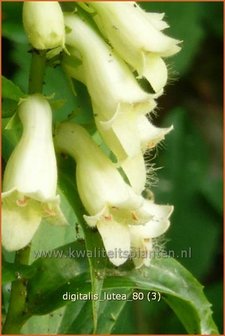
[10, 138]
[179, 288]
[56, 272]
[76, 317]
[110, 311]
[66, 270]
[9, 108]
[45, 324]
[14, 122]
[11, 90]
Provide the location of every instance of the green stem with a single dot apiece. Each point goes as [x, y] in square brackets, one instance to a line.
[37, 70]
[17, 313]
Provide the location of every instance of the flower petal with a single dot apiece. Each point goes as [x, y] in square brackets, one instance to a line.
[19, 222]
[119, 132]
[93, 220]
[116, 239]
[135, 170]
[52, 212]
[159, 222]
[156, 20]
[149, 134]
[141, 246]
[154, 69]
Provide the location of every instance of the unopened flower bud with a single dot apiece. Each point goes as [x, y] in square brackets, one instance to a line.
[44, 24]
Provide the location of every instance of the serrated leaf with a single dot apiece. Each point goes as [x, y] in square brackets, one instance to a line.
[11, 90]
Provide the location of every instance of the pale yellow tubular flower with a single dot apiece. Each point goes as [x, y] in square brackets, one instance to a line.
[111, 85]
[44, 24]
[30, 178]
[115, 93]
[112, 205]
[137, 37]
[129, 137]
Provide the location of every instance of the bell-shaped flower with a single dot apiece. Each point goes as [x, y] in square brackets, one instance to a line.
[115, 94]
[30, 178]
[110, 83]
[44, 24]
[127, 148]
[137, 37]
[112, 205]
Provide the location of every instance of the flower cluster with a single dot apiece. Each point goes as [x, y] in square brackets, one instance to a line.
[108, 60]
[112, 58]
[123, 218]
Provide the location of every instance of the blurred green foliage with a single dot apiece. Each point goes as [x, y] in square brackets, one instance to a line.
[190, 157]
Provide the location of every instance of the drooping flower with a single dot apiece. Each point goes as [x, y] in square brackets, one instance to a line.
[112, 205]
[115, 94]
[44, 24]
[117, 99]
[137, 37]
[129, 137]
[111, 85]
[30, 178]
